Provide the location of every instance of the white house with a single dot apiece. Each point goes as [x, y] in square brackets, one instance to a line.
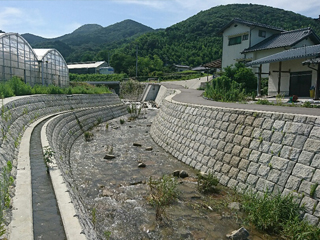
[245, 42]
[288, 75]
[239, 35]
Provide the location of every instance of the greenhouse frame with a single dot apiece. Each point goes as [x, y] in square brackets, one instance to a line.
[33, 66]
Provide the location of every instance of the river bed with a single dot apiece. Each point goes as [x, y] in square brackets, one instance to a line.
[115, 190]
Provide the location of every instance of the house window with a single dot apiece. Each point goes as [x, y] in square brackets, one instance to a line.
[245, 37]
[262, 33]
[234, 40]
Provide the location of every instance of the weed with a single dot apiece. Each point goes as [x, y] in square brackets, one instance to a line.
[264, 102]
[307, 105]
[270, 165]
[270, 212]
[25, 111]
[207, 183]
[47, 155]
[260, 139]
[134, 110]
[122, 121]
[279, 99]
[94, 216]
[162, 193]
[107, 234]
[99, 120]
[88, 136]
[5, 181]
[107, 126]
[313, 189]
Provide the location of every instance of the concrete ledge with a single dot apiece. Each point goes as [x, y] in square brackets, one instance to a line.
[21, 226]
[71, 223]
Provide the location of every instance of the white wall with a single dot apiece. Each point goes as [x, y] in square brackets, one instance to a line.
[230, 53]
[294, 66]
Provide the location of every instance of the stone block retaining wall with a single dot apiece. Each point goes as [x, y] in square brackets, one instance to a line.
[17, 114]
[246, 150]
[62, 131]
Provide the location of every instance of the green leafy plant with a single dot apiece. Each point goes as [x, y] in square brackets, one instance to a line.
[88, 136]
[313, 189]
[270, 212]
[122, 121]
[307, 105]
[162, 192]
[94, 216]
[207, 183]
[263, 102]
[107, 126]
[48, 155]
[5, 181]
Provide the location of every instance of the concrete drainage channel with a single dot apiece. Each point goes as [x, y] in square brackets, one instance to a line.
[47, 223]
[28, 223]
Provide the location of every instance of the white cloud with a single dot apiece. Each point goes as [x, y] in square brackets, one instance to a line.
[12, 19]
[309, 8]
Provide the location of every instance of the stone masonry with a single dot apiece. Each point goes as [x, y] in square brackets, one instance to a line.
[246, 150]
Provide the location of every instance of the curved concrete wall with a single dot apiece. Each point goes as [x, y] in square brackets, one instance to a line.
[62, 131]
[245, 149]
[18, 113]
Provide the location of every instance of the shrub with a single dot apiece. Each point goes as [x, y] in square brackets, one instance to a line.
[207, 183]
[88, 136]
[225, 90]
[162, 193]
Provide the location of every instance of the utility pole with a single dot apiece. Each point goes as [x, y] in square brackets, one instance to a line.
[137, 63]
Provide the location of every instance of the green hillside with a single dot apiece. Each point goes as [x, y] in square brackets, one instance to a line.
[84, 43]
[197, 40]
[193, 42]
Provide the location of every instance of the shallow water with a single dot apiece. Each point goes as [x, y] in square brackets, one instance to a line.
[47, 222]
[117, 191]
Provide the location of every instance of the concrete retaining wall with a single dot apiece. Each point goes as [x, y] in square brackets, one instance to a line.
[246, 150]
[18, 113]
[62, 131]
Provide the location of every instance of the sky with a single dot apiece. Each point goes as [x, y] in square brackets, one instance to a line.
[49, 19]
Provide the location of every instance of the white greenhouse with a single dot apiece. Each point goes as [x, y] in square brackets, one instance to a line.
[34, 66]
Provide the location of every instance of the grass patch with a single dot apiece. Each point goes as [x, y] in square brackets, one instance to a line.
[277, 214]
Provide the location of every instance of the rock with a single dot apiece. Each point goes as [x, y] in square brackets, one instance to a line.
[135, 183]
[240, 234]
[176, 173]
[149, 148]
[137, 144]
[141, 165]
[107, 193]
[109, 156]
[183, 174]
[234, 206]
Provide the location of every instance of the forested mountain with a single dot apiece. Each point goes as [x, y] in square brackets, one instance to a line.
[84, 43]
[194, 41]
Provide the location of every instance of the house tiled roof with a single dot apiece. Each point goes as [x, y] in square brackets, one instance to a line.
[302, 52]
[284, 39]
[215, 64]
[250, 24]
